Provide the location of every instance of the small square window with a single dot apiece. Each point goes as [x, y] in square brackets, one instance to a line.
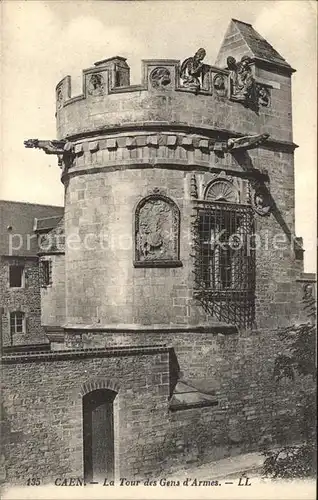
[16, 276]
[17, 323]
[46, 272]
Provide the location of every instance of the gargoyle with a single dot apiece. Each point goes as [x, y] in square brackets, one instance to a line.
[239, 143]
[49, 147]
[63, 149]
[246, 142]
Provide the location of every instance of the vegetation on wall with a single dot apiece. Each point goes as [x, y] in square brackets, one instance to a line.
[296, 360]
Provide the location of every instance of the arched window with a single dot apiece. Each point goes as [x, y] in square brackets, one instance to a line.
[225, 264]
[157, 232]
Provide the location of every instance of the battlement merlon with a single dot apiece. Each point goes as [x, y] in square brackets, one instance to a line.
[112, 75]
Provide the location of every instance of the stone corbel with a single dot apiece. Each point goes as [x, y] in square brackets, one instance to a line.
[219, 148]
[93, 146]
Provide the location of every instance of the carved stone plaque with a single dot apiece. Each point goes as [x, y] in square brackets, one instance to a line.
[157, 232]
[160, 78]
[219, 84]
[96, 85]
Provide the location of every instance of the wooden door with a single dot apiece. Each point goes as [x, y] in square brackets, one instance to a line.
[98, 435]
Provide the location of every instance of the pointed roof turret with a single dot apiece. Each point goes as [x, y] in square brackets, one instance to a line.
[241, 39]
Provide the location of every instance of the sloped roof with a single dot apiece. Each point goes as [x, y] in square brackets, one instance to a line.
[46, 223]
[242, 39]
[53, 241]
[17, 226]
[193, 394]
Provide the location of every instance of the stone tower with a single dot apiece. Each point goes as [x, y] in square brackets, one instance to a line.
[180, 258]
[146, 159]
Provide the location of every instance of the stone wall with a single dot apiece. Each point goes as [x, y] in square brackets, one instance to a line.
[26, 299]
[53, 295]
[253, 409]
[216, 353]
[43, 425]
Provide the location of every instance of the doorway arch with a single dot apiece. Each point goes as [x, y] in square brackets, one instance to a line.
[98, 435]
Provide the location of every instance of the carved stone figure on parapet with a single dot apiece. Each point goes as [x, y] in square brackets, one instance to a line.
[243, 86]
[192, 70]
[63, 149]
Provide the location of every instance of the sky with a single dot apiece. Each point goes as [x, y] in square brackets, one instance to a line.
[42, 41]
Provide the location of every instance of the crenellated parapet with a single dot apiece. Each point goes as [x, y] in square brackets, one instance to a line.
[193, 93]
[111, 76]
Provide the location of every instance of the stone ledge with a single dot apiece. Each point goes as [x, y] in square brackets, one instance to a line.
[174, 407]
[174, 127]
[307, 277]
[157, 263]
[65, 355]
[213, 328]
[162, 163]
[22, 348]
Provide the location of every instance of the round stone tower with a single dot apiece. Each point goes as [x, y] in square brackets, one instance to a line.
[128, 190]
[141, 164]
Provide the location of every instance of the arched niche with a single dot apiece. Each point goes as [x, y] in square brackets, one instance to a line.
[157, 232]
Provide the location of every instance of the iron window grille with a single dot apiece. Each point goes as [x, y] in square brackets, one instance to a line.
[46, 272]
[224, 261]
